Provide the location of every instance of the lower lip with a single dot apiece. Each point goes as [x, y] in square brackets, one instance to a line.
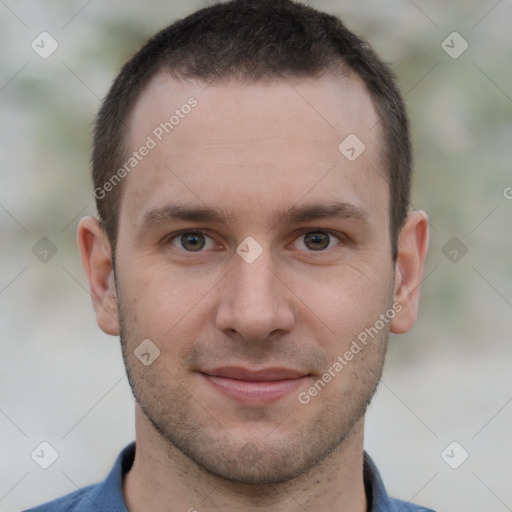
[254, 392]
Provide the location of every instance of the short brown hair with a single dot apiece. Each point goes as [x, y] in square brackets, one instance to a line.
[251, 40]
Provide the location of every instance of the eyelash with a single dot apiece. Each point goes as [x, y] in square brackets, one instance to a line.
[340, 237]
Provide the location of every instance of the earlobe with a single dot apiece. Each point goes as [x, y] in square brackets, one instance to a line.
[412, 251]
[97, 262]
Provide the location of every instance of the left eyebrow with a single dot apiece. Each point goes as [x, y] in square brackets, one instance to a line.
[333, 209]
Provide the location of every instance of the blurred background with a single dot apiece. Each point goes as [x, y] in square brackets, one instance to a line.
[439, 427]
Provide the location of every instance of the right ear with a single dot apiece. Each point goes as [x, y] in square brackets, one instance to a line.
[97, 262]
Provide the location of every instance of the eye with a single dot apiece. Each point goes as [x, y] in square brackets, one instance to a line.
[191, 241]
[316, 241]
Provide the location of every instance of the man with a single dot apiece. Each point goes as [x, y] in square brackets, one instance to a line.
[254, 248]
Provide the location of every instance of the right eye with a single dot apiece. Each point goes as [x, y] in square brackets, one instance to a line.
[191, 241]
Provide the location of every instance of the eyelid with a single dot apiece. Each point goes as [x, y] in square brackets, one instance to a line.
[168, 239]
[340, 237]
[336, 234]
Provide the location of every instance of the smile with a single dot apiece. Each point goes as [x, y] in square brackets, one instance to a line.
[255, 387]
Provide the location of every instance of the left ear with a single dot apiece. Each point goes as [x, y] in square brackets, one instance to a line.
[412, 251]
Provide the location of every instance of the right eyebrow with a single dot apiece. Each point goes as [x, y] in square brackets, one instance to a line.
[164, 214]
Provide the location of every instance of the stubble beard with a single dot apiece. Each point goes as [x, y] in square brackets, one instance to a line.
[183, 423]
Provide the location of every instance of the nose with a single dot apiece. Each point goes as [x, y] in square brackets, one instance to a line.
[255, 302]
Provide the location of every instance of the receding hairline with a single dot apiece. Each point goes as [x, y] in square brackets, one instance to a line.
[166, 78]
[238, 40]
[342, 72]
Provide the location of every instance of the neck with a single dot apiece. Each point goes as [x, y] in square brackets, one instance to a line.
[162, 478]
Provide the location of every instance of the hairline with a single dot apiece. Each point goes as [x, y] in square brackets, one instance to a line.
[347, 72]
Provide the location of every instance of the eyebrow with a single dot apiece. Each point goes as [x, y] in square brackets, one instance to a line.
[165, 214]
[333, 209]
[294, 215]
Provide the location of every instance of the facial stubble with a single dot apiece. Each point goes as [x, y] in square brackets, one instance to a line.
[187, 425]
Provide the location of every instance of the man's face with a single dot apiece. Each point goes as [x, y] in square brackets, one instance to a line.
[256, 154]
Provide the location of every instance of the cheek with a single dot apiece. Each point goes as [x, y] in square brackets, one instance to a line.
[345, 320]
[347, 298]
[162, 303]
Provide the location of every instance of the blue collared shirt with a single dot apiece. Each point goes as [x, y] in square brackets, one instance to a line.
[107, 496]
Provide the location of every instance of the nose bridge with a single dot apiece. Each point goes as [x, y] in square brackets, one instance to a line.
[255, 282]
[253, 301]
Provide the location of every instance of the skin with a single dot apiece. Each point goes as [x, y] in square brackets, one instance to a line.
[254, 151]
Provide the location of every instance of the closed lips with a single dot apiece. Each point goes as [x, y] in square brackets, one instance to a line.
[262, 375]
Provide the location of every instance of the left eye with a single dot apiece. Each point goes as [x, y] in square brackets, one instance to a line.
[316, 241]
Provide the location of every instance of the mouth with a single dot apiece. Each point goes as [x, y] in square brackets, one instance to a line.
[255, 387]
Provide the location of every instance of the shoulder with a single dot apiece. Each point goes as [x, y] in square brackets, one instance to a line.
[381, 501]
[404, 506]
[78, 501]
[106, 495]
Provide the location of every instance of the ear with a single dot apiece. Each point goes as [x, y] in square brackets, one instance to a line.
[97, 262]
[412, 251]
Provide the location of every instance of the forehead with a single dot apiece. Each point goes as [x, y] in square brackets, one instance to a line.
[254, 146]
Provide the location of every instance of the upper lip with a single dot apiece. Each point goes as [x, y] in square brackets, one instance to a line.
[264, 374]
